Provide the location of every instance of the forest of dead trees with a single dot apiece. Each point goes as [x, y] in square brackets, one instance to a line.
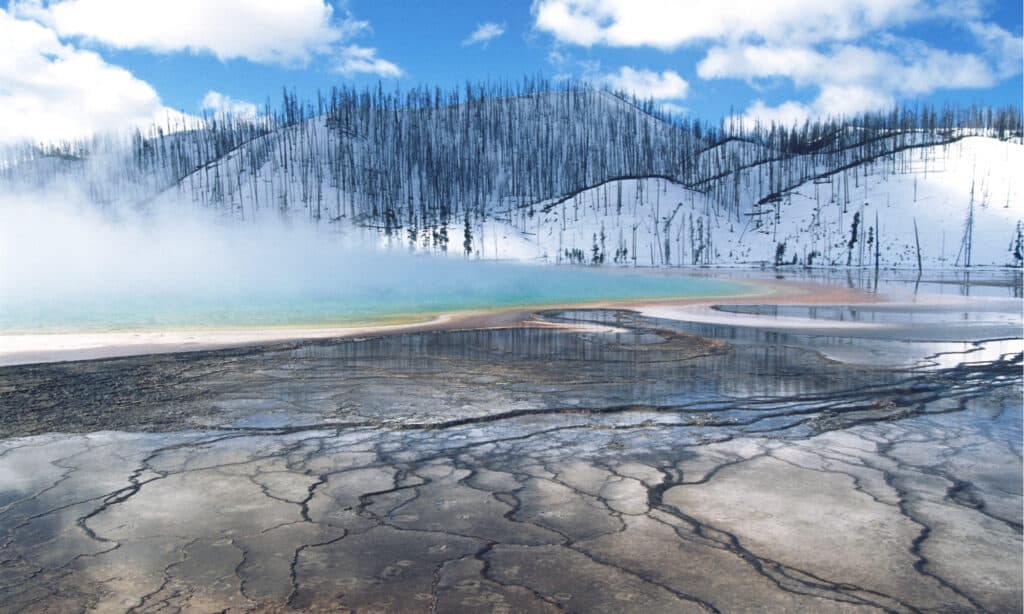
[432, 161]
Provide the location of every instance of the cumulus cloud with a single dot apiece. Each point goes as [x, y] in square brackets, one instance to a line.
[259, 30]
[51, 91]
[1007, 49]
[915, 69]
[222, 104]
[646, 83]
[843, 50]
[673, 108]
[53, 86]
[484, 33]
[788, 114]
[850, 78]
[667, 24]
[354, 59]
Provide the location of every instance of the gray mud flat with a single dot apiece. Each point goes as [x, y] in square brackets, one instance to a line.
[670, 467]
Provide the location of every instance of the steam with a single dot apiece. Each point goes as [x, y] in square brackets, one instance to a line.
[65, 264]
[56, 249]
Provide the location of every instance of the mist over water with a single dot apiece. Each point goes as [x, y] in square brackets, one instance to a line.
[65, 266]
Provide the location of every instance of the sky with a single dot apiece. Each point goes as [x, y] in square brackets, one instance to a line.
[70, 68]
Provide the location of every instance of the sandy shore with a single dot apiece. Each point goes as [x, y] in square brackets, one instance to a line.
[33, 348]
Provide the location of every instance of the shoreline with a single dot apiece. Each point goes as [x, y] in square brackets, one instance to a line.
[39, 348]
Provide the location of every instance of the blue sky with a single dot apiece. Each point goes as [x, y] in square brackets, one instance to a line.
[76, 66]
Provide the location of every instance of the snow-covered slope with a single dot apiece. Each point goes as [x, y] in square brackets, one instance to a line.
[661, 223]
[579, 176]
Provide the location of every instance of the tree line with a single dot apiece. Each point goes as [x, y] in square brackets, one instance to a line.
[417, 162]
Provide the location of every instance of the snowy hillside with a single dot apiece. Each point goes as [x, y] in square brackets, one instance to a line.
[662, 223]
[576, 175]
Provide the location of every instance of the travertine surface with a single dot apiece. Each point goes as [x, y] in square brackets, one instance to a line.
[670, 468]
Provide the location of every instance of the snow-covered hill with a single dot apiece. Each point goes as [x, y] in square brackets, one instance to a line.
[577, 175]
[829, 220]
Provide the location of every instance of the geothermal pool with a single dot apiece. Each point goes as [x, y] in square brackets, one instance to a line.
[619, 462]
[407, 289]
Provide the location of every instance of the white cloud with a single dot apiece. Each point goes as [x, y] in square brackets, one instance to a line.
[557, 58]
[750, 61]
[222, 104]
[833, 101]
[844, 50]
[667, 24]
[51, 91]
[287, 32]
[839, 99]
[849, 78]
[787, 114]
[1005, 48]
[354, 59]
[484, 33]
[646, 83]
[675, 109]
[909, 69]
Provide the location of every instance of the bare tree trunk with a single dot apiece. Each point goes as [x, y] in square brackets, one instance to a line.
[917, 242]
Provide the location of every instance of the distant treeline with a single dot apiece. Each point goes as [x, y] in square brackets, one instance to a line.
[425, 157]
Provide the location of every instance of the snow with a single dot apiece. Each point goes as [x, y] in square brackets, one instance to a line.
[743, 206]
[930, 186]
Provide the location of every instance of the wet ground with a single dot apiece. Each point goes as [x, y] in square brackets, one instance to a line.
[662, 466]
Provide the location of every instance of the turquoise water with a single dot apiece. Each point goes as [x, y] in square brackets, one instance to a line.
[426, 287]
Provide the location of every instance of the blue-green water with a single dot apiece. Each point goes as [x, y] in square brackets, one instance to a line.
[427, 286]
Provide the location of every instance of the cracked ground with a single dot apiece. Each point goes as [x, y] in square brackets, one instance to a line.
[665, 467]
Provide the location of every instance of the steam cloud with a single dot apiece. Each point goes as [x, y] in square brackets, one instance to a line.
[64, 263]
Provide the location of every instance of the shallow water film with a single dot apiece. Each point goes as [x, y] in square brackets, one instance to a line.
[633, 464]
[407, 289]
